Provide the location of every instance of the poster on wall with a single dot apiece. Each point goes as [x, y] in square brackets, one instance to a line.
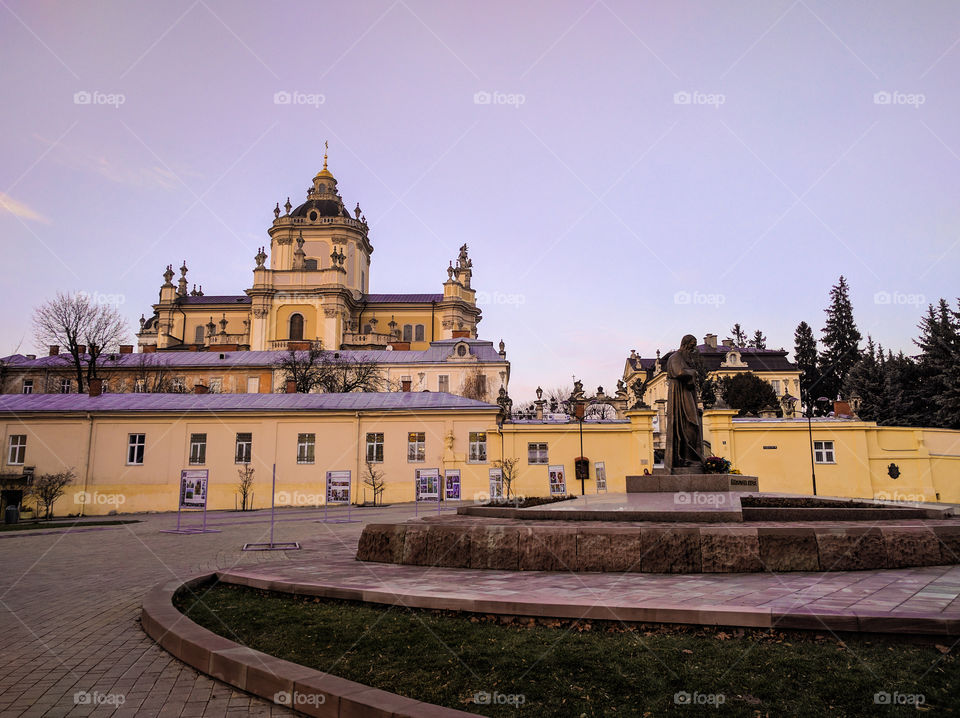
[558, 480]
[601, 470]
[451, 484]
[428, 484]
[338, 487]
[496, 483]
[193, 488]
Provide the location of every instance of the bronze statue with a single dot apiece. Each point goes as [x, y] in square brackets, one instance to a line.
[684, 447]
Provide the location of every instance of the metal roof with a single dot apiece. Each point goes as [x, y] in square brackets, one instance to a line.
[399, 298]
[215, 299]
[213, 403]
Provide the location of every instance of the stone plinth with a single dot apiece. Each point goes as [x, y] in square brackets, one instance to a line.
[690, 482]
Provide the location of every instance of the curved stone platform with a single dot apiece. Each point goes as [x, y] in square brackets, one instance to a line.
[289, 684]
[512, 544]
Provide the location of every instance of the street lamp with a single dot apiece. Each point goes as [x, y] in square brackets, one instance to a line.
[580, 471]
[813, 465]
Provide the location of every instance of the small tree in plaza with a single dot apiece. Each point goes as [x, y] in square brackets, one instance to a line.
[374, 479]
[245, 485]
[47, 488]
[509, 468]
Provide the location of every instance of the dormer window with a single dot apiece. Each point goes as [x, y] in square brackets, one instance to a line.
[313, 215]
[462, 350]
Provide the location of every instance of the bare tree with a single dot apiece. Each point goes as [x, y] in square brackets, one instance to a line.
[245, 485]
[600, 412]
[474, 385]
[154, 379]
[314, 369]
[75, 320]
[509, 468]
[374, 479]
[45, 489]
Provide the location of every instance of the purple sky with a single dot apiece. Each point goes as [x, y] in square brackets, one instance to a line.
[603, 210]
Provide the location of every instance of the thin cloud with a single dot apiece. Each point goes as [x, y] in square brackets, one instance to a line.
[18, 209]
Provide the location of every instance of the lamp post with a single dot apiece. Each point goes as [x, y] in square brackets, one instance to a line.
[813, 464]
[578, 412]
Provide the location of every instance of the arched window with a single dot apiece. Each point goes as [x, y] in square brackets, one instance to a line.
[198, 335]
[419, 333]
[408, 332]
[296, 327]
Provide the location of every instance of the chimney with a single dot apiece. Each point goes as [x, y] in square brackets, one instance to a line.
[81, 348]
[201, 389]
[710, 340]
[291, 386]
[95, 387]
[405, 384]
[126, 348]
[728, 343]
[54, 350]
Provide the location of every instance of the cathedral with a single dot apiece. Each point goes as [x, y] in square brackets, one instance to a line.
[312, 289]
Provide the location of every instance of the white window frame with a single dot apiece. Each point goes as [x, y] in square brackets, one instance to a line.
[372, 445]
[419, 333]
[537, 453]
[216, 386]
[16, 449]
[477, 452]
[198, 450]
[416, 447]
[824, 452]
[27, 387]
[306, 448]
[136, 449]
[775, 383]
[244, 456]
[66, 386]
[443, 383]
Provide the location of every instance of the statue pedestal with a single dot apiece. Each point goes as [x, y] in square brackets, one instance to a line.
[691, 482]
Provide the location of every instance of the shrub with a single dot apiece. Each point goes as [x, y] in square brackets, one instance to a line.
[716, 465]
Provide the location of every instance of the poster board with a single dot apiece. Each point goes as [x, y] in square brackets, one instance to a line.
[601, 469]
[193, 488]
[558, 480]
[428, 484]
[451, 480]
[496, 483]
[338, 487]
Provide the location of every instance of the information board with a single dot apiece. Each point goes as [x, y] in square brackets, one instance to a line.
[193, 488]
[558, 480]
[452, 484]
[428, 484]
[496, 483]
[338, 487]
[601, 470]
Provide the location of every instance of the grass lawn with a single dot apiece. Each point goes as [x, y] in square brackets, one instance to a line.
[29, 526]
[569, 668]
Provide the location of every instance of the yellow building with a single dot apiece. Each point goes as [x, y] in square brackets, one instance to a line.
[313, 286]
[127, 450]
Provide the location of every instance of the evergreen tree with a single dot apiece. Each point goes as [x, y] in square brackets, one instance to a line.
[841, 340]
[868, 379]
[759, 341]
[748, 393]
[939, 365]
[805, 356]
[739, 336]
[903, 387]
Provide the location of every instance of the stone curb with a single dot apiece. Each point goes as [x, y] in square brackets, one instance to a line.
[298, 688]
[802, 618]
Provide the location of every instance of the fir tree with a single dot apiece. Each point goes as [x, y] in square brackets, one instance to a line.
[739, 336]
[868, 380]
[805, 356]
[903, 387]
[939, 365]
[841, 340]
[759, 341]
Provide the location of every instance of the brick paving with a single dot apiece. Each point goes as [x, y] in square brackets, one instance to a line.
[70, 637]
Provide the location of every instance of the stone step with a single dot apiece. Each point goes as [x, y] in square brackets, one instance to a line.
[691, 482]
